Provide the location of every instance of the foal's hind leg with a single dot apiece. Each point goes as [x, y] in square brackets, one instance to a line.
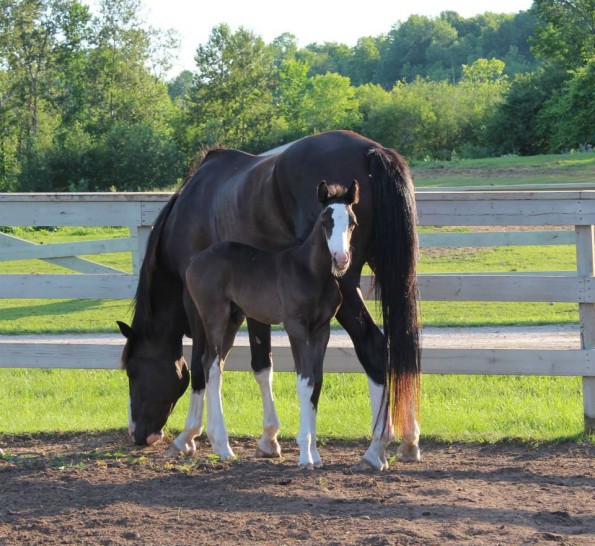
[368, 341]
[262, 368]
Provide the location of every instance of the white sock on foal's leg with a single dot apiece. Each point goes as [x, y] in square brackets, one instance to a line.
[304, 437]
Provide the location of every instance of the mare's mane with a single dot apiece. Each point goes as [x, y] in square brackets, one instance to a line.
[143, 312]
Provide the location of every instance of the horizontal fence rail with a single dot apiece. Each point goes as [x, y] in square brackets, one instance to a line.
[564, 217]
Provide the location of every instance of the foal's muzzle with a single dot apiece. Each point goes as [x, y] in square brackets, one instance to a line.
[341, 263]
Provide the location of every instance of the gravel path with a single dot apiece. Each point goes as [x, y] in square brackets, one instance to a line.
[513, 337]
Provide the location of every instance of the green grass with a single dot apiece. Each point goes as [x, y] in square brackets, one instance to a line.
[538, 409]
[19, 317]
[571, 168]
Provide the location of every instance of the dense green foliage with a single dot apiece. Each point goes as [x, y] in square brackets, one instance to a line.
[84, 104]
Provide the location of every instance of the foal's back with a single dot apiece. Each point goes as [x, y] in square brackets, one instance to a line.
[266, 286]
[245, 276]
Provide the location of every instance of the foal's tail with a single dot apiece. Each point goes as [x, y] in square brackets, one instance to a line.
[395, 249]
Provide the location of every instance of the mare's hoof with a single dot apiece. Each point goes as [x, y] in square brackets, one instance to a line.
[307, 466]
[260, 454]
[408, 454]
[363, 467]
[267, 450]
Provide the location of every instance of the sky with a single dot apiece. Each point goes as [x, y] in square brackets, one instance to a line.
[343, 21]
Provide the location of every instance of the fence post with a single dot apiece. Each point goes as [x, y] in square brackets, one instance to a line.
[585, 268]
[140, 237]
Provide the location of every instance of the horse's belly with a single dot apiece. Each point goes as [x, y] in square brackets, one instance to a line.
[266, 313]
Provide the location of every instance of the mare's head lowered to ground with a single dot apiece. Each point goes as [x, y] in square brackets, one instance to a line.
[153, 388]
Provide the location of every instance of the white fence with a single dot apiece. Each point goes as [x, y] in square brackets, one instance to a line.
[570, 209]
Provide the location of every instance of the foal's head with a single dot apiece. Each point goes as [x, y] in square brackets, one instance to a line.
[338, 222]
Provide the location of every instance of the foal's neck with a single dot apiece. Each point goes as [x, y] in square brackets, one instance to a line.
[316, 251]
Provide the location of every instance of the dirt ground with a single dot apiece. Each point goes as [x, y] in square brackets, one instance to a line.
[99, 489]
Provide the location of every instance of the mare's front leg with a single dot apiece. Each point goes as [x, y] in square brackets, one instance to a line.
[368, 341]
[262, 368]
[308, 350]
[184, 443]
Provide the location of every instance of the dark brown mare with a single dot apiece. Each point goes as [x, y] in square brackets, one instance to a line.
[296, 286]
[269, 202]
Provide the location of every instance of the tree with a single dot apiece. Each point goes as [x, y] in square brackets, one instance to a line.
[37, 39]
[293, 85]
[231, 101]
[180, 86]
[565, 31]
[123, 90]
[330, 103]
[327, 57]
[40, 44]
[569, 115]
[365, 61]
[515, 125]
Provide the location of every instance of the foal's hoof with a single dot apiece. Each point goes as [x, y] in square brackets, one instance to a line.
[364, 467]
[307, 466]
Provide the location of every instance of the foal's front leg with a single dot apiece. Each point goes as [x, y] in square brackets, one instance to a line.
[308, 350]
[308, 394]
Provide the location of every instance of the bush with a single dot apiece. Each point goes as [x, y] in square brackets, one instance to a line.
[127, 158]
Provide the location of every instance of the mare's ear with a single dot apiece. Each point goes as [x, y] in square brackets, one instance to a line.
[181, 366]
[353, 193]
[126, 330]
[323, 192]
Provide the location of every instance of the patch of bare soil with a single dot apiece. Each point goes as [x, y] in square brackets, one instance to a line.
[98, 489]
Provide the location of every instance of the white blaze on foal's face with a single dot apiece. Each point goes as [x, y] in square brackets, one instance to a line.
[339, 236]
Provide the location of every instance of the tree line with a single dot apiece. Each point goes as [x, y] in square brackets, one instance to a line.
[85, 105]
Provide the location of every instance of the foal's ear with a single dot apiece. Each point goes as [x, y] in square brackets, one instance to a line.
[126, 330]
[353, 193]
[323, 192]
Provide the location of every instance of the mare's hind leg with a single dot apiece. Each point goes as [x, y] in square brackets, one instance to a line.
[368, 341]
[184, 442]
[262, 368]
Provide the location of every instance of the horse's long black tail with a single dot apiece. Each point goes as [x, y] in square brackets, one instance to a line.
[395, 251]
